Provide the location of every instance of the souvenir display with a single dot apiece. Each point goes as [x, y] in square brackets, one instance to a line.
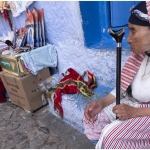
[25, 59]
[36, 37]
[28, 38]
[41, 20]
[35, 28]
[30, 29]
[40, 30]
[15, 37]
[21, 37]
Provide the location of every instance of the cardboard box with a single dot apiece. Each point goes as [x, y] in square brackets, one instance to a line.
[24, 91]
[13, 65]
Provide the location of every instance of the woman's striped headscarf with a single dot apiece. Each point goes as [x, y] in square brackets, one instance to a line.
[140, 14]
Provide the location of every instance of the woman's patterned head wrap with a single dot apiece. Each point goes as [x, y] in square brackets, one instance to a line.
[139, 14]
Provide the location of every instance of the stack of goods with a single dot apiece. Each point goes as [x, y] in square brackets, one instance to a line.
[25, 62]
[33, 35]
[28, 52]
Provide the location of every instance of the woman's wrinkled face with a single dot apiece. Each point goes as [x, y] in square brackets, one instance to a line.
[139, 38]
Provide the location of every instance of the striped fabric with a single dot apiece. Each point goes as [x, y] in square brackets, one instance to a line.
[130, 69]
[129, 134]
[42, 57]
[133, 133]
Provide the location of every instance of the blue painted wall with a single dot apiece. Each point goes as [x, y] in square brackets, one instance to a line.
[99, 16]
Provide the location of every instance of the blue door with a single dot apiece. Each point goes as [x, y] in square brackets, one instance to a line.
[120, 12]
[99, 16]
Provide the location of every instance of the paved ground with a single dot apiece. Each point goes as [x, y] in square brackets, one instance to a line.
[41, 130]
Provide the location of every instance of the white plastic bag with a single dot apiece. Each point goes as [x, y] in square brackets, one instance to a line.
[49, 82]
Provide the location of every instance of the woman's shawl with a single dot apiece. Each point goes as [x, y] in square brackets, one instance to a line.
[130, 69]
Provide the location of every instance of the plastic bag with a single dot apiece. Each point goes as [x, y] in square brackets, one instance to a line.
[49, 82]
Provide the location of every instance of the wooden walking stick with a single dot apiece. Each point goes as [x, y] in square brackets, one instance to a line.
[118, 36]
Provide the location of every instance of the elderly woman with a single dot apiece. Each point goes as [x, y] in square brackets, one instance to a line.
[132, 129]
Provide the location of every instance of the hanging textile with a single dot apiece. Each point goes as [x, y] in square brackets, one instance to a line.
[4, 11]
[17, 7]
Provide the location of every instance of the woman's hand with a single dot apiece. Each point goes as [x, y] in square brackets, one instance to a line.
[92, 110]
[124, 111]
[95, 107]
